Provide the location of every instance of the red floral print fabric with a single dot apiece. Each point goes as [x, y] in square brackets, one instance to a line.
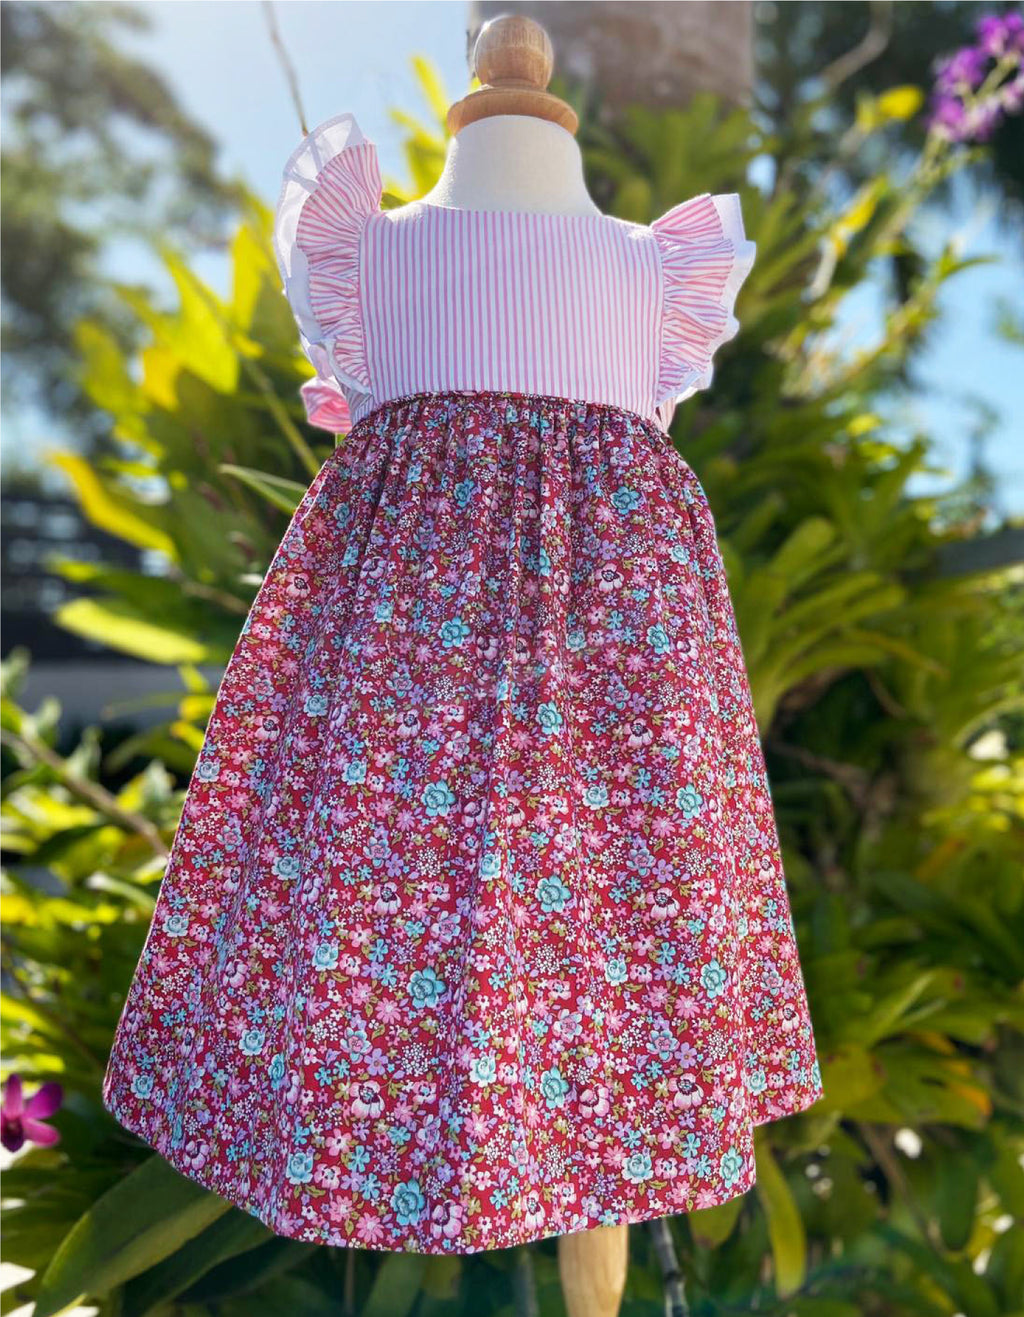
[475, 928]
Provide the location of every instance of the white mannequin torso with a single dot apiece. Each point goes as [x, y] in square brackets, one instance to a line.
[513, 162]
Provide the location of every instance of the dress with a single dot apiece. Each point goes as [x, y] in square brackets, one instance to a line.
[475, 929]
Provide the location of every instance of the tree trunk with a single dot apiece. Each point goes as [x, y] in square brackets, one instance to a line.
[656, 53]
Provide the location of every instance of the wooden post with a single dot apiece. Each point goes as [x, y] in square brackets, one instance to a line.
[592, 1265]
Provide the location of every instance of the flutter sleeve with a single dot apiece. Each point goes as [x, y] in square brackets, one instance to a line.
[705, 257]
[332, 185]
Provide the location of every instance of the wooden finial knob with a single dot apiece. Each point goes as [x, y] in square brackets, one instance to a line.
[514, 59]
[513, 49]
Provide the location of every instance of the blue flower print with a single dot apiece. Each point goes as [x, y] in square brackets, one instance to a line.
[383, 611]
[549, 718]
[544, 562]
[712, 978]
[454, 631]
[300, 1168]
[657, 638]
[490, 865]
[358, 1158]
[176, 925]
[625, 499]
[326, 956]
[689, 800]
[615, 971]
[679, 553]
[731, 1166]
[208, 769]
[277, 1071]
[351, 556]
[554, 1087]
[252, 1042]
[552, 894]
[595, 796]
[287, 866]
[483, 1069]
[355, 771]
[437, 798]
[315, 705]
[407, 1202]
[462, 492]
[142, 1085]
[637, 1167]
[576, 639]
[426, 989]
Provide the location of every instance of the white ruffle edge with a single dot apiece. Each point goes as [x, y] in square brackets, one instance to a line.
[331, 186]
[705, 257]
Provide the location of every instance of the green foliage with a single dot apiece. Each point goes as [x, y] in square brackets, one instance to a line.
[887, 680]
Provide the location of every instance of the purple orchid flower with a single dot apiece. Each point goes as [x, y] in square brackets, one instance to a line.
[957, 112]
[21, 1119]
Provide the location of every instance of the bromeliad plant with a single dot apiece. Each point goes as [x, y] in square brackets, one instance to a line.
[886, 675]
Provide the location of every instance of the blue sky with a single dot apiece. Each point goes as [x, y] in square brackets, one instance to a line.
[219, 58]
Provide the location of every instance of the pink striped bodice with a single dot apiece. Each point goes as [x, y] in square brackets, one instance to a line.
[434, 298]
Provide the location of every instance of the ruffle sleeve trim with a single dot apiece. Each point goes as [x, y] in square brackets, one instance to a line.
[326, 405]
[332, 185]
[705, 257]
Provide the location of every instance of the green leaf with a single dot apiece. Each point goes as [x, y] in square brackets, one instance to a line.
[956, 1196]
[797, 558]
[111, 511]
[120, 626]
[712, 1226]
[397, 1284]
[441, 1277]
[282, 493]
[250, 1271]
[785, 1228]
[233, 1233]
[850, 1074]
[429, 79]
[145, 1218]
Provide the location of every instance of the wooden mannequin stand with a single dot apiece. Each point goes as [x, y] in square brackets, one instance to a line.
[513, 58]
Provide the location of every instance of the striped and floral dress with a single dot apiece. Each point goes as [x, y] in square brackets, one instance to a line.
[475, 928]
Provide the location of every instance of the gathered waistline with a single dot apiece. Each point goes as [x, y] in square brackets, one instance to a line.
[581, 405]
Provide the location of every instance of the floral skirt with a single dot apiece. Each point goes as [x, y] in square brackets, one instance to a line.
[475, 929]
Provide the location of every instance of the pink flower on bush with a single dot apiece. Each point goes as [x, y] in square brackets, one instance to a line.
[21, 1119]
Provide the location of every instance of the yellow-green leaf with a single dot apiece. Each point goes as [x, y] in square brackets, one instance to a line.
[108, 510]
[785, 1228]
[712, 1226]
[112, 623]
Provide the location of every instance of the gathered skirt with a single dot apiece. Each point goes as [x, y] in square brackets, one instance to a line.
[475, 929]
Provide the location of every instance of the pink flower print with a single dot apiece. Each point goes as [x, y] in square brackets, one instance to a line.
[22, 1119]
[447, 1220]
[195, 1153]
[297, 586]
[367, 1101]
[686, 1092]
[595, 1101]
[388, 900]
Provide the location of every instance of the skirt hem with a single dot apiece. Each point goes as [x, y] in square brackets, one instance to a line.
[794, 1101]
